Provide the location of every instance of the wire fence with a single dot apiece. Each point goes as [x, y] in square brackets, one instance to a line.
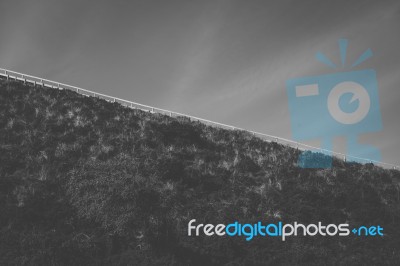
[36, 81]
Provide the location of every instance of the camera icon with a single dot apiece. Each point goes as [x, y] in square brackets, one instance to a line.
[338, 104]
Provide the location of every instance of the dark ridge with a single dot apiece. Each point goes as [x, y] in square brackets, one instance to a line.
[88, 182]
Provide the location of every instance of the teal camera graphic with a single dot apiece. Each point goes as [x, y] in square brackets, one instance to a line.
[338, 104]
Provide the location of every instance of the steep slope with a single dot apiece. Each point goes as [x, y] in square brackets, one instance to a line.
[88, 182]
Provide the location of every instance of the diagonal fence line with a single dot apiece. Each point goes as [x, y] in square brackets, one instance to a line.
[37, 81]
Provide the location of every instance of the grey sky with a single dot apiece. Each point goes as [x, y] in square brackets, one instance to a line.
[226, 61]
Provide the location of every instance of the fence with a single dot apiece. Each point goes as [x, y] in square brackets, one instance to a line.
[36, 81]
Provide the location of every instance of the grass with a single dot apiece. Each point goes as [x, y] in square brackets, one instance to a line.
[87, 182]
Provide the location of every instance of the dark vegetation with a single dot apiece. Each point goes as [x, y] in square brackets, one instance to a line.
[88, 182]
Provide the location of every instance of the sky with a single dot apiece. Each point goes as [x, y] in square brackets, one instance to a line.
[226, 61]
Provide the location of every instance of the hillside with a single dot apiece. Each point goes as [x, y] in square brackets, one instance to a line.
[88, 182]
